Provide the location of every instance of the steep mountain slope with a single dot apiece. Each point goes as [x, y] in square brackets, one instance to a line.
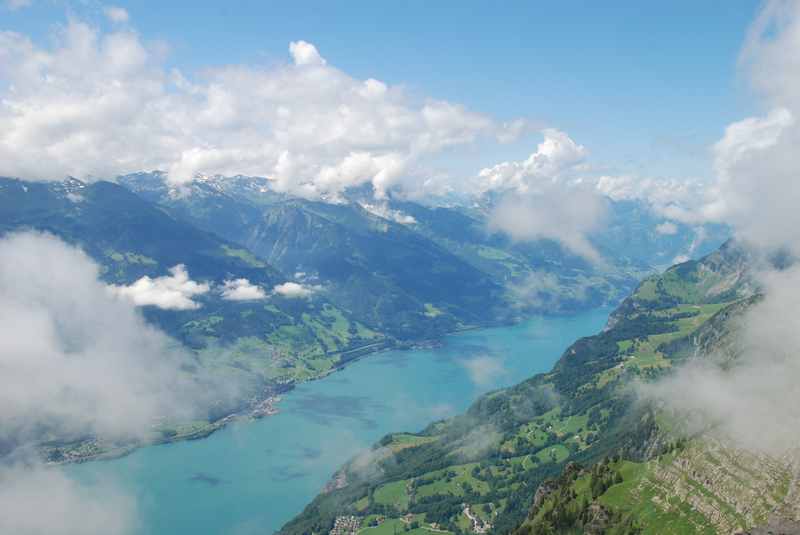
[388, 275]
[481, 471]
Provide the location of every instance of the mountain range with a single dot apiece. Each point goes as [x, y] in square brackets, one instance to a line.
[332, 280]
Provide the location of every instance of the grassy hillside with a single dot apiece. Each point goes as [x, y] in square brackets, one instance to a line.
[480, 471]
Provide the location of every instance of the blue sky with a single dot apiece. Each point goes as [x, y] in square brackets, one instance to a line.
[644, 87]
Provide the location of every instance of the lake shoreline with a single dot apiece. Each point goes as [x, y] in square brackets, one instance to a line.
[254, 413]
[286, 459]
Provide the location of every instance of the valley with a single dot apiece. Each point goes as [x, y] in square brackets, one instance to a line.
[269, 469]
[528, 444]
[400, 268]
[362, 283]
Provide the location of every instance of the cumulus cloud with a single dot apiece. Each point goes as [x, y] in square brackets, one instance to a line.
[304, 53]
[294, 290]
[173, 292]
[99, 104]
[35, 500]
[75, 359]
[542, 198]
[556, 154]
[116, 14]
[242, 290]
[755, 188]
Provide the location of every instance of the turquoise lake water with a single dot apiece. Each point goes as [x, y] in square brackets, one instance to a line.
[253, 477]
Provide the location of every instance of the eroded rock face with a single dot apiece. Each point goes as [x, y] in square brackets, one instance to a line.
[777, 526]
[731, 488]
[598, 520]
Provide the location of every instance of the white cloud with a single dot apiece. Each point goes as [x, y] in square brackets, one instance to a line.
[242, 290]
[293, 290]
[383, 211]
[36, 500]
[681, 200]
[755, 188]
[556, 154]
[75, 359]
[542, 198]
[567, 214]
[172, 292]
[304, 53]
[755, 402]
[102, 104]
[117, 14]
[667, 228]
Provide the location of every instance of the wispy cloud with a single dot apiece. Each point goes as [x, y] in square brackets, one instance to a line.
[484, 370]
[753, 400]
[116, 14]
[76, 361]
[558, 212]
[35, 499]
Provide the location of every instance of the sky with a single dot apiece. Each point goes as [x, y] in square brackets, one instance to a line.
[646, 91]
[549, 108]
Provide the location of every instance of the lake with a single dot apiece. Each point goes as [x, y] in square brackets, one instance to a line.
[252, 477]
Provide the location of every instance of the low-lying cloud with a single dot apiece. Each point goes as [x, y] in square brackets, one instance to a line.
[383, 211]
[294, 290]
[567, 215]
[752, 400]
[76, 361]
[173, 292]
[35, 500]
[542, 197]
[242, 290]
[755, 400]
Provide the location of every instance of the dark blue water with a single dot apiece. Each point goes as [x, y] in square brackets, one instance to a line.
[253, 477]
